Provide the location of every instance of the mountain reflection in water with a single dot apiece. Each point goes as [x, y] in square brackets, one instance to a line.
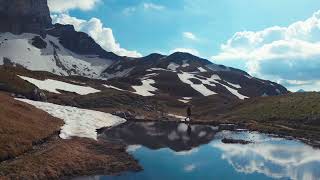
[178, 137]
[178, 151]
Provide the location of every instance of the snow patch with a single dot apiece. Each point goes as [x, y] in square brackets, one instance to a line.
[173, 66]
[146, 88]
[201, 69]
[123, 73]
[54, 85]
[187, 98]
[201, 88]
[235, 92]
[234, 85]
[182, 118]
[185, 64]
[158, 69]
[212, 81]
[249, 77]
[113, 87]
[53, 58]
[147, 76]
[184, 101]
[78, 122]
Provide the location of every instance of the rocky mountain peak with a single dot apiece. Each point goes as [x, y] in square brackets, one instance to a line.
[183, 56]
[24, 16]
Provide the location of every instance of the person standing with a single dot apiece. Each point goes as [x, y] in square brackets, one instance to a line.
[188, 114]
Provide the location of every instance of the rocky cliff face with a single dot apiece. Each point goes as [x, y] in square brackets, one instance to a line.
[80, 42]
[24, 16]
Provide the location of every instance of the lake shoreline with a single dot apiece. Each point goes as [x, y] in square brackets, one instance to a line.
[66, 159]
[126, 162]
[308, 137]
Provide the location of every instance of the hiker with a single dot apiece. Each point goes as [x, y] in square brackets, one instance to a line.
[188, 114]
[189, 130]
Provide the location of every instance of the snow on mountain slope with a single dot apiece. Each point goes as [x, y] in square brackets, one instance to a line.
[78, 122]
[146, 88]
[37, 54]
[185, 75]
[54, 85]
[200, 87]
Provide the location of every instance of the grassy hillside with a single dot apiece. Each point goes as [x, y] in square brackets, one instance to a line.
[21, 126]
[295, 114]
[295, 108]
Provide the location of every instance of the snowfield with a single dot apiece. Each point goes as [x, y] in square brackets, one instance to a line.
[113, 87]
[173, 66]
[54, 85]
[182, 118]
[146, 88]
[184, 101]
[212, 81]
[123, 73]
[53, 58]
[201, 69]
[201, 88]
[78, 122]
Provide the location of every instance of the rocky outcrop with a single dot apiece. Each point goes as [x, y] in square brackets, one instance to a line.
[24, 16]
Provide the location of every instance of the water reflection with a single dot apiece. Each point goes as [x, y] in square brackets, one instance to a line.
[179, 151]
[274, 157]
[178, 137]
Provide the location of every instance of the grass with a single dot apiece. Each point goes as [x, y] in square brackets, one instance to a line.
[295, 114]
[296, 108]
[21, 126]
[69, 158]
[10, 82]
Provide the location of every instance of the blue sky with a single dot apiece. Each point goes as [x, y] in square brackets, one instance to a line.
[141, 27]
[213, 21]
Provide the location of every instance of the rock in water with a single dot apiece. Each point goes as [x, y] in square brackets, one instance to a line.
[24, 16]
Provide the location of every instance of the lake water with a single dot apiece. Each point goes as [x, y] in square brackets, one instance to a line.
[177, 151]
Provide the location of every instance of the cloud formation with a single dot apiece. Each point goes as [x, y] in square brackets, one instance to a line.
[285, 54]
[152, 6]
[144, 7]
[58, 6]
[190, 35]
[102, 35]
[277, 160]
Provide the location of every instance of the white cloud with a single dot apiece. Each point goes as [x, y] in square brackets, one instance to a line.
[280, 53]
[189, 168]
[273, 158]
[66, 5]
[152, 6]
[189, 35]
[296, 85]
[129, 10]
[186, 50]
[102, 35]
[144, 7]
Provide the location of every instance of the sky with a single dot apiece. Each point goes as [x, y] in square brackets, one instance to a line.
[278, 40]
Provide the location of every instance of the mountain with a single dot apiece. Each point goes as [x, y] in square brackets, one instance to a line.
[30, 40]
[301, 91]
[184, 75]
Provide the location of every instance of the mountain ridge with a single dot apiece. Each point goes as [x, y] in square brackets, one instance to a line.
[61, 50]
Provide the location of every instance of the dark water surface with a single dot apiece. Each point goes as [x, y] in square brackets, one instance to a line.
[178, 151]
